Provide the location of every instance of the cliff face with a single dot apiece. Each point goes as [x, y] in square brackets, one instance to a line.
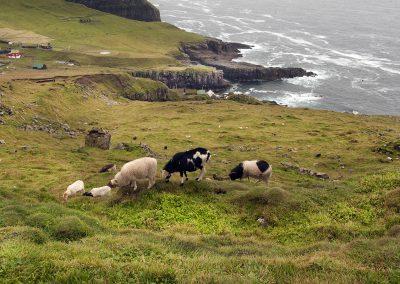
[140, 10]
[191, 79]
[219, 54]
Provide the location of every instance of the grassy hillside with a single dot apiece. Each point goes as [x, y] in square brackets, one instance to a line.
[130, 43]
[345, 229]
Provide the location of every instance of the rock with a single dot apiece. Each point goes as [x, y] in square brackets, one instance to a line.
[141, 10]
[305, 171]
[318, 155]
[189, 78]
[219, 54]
[321, 175]
[165, 147]
[98, 138]
[149, 151]
[262, 221]
[124, 147]
[391, 148]
[219, 178]
[244, 99]
[2, 142]
[5, 110]
[134, 138]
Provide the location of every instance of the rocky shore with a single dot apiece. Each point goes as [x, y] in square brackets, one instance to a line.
[219, 54]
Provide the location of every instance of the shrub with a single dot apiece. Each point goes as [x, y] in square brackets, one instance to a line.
[69, 228]
[272, 196]
[394, 231]
[34, 235]
[392, 200]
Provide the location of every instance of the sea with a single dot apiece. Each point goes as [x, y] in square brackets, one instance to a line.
[353, 46]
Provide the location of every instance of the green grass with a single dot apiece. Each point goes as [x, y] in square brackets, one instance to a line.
[340, 230]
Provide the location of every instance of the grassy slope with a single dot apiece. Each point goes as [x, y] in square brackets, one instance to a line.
[131, 43]
[340, 230]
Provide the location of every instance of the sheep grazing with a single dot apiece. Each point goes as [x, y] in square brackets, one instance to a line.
[108, 168]
[189, 161]
[144, 168]
[260, 170]
[98, 192]
[73, 189]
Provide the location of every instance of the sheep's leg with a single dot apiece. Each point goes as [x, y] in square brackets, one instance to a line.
[134, 185]
[185, 173]
[202, 173]
[152, 182]
[168, 177]
[182, 179]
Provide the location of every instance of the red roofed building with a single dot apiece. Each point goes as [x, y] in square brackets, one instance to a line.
[14, 55]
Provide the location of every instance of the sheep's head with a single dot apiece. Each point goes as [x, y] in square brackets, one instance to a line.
[237, 172]
[113, 183]
[166, 175]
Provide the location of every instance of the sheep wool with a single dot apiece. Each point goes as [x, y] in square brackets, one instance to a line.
[73, 189]
[98, 191]
[143, 168]
[257, 169]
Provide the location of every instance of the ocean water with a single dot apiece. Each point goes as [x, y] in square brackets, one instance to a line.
[353, 46]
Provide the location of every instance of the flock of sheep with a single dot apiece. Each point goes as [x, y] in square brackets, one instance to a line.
[182, 162]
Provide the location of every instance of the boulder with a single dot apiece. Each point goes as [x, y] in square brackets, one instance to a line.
[98, 138]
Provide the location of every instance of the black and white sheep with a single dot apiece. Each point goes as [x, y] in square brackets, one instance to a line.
[257, 169]
[143, 168]
[73, 189]
[189, 161]
[98, 191]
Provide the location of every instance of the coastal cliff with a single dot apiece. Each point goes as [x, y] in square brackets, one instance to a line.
[140, 10]
[219, 54]
[188, 78]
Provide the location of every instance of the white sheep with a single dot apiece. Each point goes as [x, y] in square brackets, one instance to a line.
[73, 189]
[257, 169]
[143, 168]
[98, 191]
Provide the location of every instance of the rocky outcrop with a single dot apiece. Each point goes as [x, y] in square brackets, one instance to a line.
[140, 10]
[219, 54]
[124, 85]
[98, 138]
[189, 78]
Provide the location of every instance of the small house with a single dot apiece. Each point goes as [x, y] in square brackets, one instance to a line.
[14, 55]
[39, 66]
[201, 92]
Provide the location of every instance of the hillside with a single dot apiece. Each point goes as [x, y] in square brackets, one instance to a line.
[106, 40]
[341, 225]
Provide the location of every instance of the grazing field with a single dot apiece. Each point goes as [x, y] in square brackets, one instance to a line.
[344, 229]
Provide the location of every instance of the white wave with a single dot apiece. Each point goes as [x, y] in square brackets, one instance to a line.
[293, 99]
[310, 82]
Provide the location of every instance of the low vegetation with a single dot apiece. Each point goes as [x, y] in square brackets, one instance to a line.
[300, 229]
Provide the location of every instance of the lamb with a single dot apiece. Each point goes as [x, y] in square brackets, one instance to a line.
[257, 169]
[143, 168]
[188, 161]
[73, 189]
[98, 192]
